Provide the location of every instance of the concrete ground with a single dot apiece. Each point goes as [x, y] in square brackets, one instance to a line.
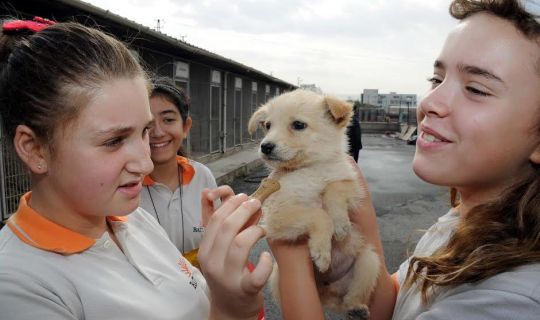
[405, 205]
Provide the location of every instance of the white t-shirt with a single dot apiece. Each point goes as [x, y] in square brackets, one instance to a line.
[48, 272]
[512, 295]
[179, 212]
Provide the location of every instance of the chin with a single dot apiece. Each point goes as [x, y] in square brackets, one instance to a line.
[127, 208]
[428, 175]
[161, 158]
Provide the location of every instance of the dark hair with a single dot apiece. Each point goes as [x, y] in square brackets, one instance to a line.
[510, 10]
[497, 236]
[48, 76]
[165, 87]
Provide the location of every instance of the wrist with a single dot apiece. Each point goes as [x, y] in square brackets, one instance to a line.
[217, 315]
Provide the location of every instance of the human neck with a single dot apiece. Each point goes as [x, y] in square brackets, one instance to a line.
[52, 206]
[167, 174]
[469, 199]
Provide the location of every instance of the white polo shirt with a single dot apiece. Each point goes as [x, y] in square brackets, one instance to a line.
[179, 212]
[514, 294]
[50, 272]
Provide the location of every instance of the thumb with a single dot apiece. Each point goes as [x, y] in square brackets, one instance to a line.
[207, 206]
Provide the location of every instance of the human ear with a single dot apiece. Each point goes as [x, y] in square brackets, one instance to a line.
[187, 125]
[535, 155]
[31, 151]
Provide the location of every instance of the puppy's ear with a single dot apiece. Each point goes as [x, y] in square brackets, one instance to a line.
[340, 110]
[256, 118]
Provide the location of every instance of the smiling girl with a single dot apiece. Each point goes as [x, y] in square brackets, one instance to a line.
[172, 191]
[480, 135]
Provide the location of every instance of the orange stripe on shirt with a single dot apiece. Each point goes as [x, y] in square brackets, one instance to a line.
[188, 171]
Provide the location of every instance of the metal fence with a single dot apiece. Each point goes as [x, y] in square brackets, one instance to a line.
[14, 181]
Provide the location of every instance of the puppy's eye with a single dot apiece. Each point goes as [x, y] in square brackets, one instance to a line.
[298, 125]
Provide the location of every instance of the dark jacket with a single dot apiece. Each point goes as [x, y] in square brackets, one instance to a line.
[354, 133]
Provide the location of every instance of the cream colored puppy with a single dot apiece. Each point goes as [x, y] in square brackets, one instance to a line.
[305, 145]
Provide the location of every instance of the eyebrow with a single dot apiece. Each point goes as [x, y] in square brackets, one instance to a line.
[114, 131]
[123, 130]
[168, 111]
[474, 70]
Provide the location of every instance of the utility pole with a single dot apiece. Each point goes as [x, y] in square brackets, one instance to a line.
[159, 23]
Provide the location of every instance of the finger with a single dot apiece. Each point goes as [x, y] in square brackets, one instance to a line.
[253, 282]
[231, 227]
[215, 222]
[253, 220]
[207, 206]
[241, 246]
[209, 198]
[224, 193]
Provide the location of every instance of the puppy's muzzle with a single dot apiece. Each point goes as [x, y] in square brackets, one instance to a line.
[267, 148]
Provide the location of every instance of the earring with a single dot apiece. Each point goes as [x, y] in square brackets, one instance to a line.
[39, 166]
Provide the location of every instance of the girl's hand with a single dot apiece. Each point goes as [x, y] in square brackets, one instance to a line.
[235, 293]
[209, 198]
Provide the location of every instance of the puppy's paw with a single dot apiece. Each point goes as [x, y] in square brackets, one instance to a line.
[342, 229]
[321, 258]
[358, 314]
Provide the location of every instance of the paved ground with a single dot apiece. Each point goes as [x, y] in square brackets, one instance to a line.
[405, 204]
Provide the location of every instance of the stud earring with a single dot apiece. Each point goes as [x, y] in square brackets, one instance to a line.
[39, 166]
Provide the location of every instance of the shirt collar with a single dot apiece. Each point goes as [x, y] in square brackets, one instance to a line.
[34, 229]
[188, 171]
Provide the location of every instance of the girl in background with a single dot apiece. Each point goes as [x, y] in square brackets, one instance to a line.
[172, 191]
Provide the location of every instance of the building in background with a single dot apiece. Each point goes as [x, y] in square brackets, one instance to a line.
[387, 100]
[311, 87]
[224, 93]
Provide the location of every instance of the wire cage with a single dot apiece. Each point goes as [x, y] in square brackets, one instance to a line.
[14, 178]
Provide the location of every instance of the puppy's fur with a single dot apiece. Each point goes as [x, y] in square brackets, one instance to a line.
[305, 145]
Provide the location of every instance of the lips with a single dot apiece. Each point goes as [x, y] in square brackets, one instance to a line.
[131, 189]
[431, 135]
[430, 140]
[157, 145]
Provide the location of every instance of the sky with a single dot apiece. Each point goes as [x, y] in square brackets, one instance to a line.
[341, 46]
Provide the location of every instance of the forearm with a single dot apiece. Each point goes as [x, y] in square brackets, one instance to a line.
[384, 297]
[216, 315]
[297, 289]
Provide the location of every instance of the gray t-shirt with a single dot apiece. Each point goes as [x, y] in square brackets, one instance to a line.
[510, 295]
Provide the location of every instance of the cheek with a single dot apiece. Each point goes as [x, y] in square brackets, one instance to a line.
[178, 132]
[101, 175]
[419, 114]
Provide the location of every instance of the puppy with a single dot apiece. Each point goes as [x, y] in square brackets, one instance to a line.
[304, 145]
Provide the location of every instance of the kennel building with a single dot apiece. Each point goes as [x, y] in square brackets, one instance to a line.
[224, 93]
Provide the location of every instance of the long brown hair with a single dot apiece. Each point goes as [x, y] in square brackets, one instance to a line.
[48, 76]
[497, 236]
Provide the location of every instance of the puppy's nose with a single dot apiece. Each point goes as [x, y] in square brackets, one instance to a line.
[267, 147]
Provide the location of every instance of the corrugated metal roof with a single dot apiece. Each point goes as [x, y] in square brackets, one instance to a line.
[106, 14]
